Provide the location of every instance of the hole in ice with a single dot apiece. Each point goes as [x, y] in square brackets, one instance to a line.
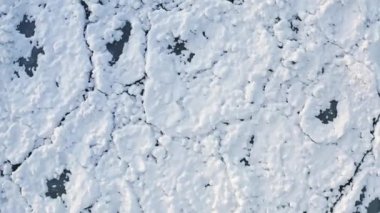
[252, 140]
[116, 47]
[328, 114]
[30, 63]
[56, 187]
[277, 19]
[27, 27]
[204, 34]
[294, 23]
[374, 206]
[179, 46]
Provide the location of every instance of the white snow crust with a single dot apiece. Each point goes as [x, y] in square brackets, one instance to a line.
[211, 106]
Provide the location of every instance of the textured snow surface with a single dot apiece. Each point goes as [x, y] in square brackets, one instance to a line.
[189, 106]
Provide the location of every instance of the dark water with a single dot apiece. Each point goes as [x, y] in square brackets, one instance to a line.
[329, 114]
[361, 197]
[30, 63]
[116, 47]
[179, 47]
[27, 27]
[374, 206]
[56, 186]
[86, 9]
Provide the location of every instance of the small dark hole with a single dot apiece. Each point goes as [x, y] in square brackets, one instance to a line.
[277, 19]
[190, 57]
[56, 187]
[329, 114]
[179, 46]
[245, 161]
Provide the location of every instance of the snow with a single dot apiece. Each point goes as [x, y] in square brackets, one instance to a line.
[189, 106]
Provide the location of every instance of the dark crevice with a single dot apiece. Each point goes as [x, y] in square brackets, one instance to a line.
[116, 47]
[204, 35]
[252, 140]
[86, 9]
[294, 23]
[36, 146]
[90, 80]
[56, 187]
[244, 161]
[293, 28]
[30, 64]
[342, 188]
[15, 166]
[65, 116]
[190, 57]
[349, 182]
[161, 6]
[239, 2]
[26, 27]
[63, 119]
[111, 139]
[374, 123]
[16, 73]
[329, 114]
[139, 82]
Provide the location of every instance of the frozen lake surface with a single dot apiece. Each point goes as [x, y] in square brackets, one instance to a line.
[189, 106]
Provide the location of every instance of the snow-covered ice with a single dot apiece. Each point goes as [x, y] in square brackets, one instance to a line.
[189, 106]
